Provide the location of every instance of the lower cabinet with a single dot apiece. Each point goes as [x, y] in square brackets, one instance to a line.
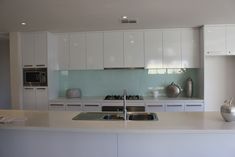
[194, 107]
[56, 106]
[154, 107]
[35, 98]
[91, 107]
[74, 107]
[174, 108]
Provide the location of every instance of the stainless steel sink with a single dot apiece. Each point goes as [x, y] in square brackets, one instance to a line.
[138, 116]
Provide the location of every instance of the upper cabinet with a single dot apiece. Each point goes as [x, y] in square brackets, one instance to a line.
[113, 49]
[133, 49]
[219, 40]
[94, 50]
[153, 49]
[190, 48]
[34, 49]
[171, 49]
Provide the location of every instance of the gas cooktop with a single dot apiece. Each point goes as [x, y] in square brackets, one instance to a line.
[120, 97]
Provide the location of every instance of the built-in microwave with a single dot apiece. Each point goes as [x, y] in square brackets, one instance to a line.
[35, 76]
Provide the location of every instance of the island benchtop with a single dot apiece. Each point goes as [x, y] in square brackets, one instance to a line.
[169, 122]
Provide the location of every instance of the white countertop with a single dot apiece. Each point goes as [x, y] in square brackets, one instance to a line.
[184, 122]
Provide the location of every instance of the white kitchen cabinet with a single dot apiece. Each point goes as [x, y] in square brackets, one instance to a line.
[174, 108]
[62, 49]
[153, 49]
[194, 107]
[113, 49]
[230, 34]
[35, 98]
[77, 51]
[29, 98]
[56, 106]
[94, 50]
[155, 107]
[171, 49]
[34, 49]
[133, 49]
[74, 106]
[91, 107]
[190, 48]
[215, 40]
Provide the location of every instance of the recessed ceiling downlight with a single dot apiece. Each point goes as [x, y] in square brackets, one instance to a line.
[23, 23]
[124, 17]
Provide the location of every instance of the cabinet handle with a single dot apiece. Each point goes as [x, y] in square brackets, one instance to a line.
[194, 105]
[28, 65]
[173, 105]
[41, 88]
[28, 88]
[74, 105]
[91, 105]
[41, 65]
[155, 105]
[57, 105]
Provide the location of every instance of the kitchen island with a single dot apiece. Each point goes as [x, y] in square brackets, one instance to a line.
[37, 134]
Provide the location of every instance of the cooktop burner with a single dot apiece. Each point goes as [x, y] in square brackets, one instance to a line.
[120, 97]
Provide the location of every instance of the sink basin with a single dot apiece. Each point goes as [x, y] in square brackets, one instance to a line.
[142, 116]
[114, 116]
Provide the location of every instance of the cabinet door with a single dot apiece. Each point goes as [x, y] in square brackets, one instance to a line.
[74, 106]
[41, 98]
[77, 51]
[41, 49]
[190, 48]
[133, 49]
[91, 107]
[113, 50]
[153, 49]
[174, 108]
[194, 107]
[94, 50]
[152, 107]
[215, 40]
[62, 48]
[56, 106]
[171, 49]
[28, 40]
[231, 40]
[29, 98]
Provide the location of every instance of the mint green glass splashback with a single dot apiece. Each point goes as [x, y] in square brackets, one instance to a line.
[136, 81]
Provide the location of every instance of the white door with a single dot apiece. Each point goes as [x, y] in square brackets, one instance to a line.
[153, 49]
[231, 40]
[190, 48]
[215, 40]
[29, 98]
[41, 98]
[62, 48]
[28, 49]
[113, 49]
[41, 49]
[77, 51]
[171, 49]
[133, 49]
[94, 50]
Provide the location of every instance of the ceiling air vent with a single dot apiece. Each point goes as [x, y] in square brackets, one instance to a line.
[128, 21]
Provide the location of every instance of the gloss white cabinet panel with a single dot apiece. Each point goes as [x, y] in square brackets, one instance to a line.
[74, 106]
[153, 49]
[94, 50]
[113, 49]
[62, 49]
[215, 40]
[28, 42]
[174, 108]
[77, 51]
[190, 48]
[91, 107]
[194, 107]
[171, 49]
[29, 98]
[230, 34]
[56, 106]
[41, 98]
[41, 49]
[133, 49]
[155, 107]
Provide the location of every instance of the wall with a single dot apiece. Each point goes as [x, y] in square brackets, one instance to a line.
[136, 81]
[4, 72]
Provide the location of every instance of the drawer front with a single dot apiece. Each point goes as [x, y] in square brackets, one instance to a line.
[155, 108]
[56, 107]
[174, 108]
[195, 107]
[91, 107]
[74, 107]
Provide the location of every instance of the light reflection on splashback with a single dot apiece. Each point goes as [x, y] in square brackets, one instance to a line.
[136, 81]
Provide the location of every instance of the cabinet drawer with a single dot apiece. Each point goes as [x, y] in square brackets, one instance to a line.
[155, 108]
[91, 107]
[174, 108]
[197, 107]
[74, 107]
[57, 107]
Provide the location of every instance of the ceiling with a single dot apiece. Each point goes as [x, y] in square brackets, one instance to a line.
[87, 15]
